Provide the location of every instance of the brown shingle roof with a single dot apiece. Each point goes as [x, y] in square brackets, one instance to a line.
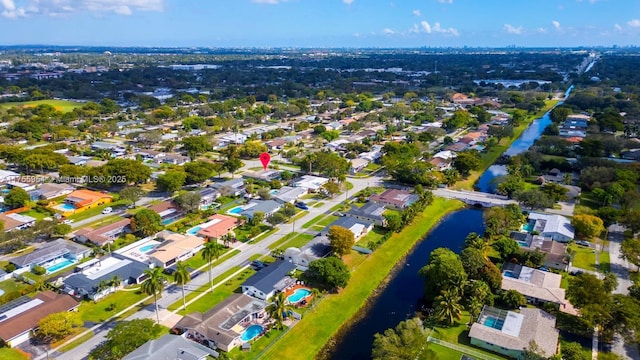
[52, 303]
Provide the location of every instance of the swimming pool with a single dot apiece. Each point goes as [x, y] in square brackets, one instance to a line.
[528, 227]
[65, 207]
[146, 248]
[523, 243]
[298, 295]
[194, 230]
[273, 191]
[251, 332]
[494, 323]
[59, 266]
[510, 274]
[235, 211]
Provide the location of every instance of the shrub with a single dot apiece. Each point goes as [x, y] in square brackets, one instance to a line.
[38, 270]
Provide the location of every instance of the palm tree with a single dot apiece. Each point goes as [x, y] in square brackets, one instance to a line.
[182, 277]
[212, 250]
[447, 306]
[153, 285]
[277, 309]
[115, 281]
[476, 241]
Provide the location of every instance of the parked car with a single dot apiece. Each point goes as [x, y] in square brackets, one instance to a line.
[68, 222]
[107, 210]
[337, 213]
[583, 243]
[301, 205]
[576, 272]
[257, 264]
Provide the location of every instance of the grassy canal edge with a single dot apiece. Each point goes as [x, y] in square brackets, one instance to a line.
[335, 312]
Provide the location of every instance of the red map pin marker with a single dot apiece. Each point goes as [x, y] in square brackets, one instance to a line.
[265, 158]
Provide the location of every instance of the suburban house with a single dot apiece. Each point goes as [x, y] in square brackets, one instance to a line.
[151, 155]
[170, 346]
[7, 176]
[175, 159]
[536, 285]
[264, 175]
[217, 226]
[53, 253]
[16, 221]
[358, 227]
[317, 248]
[370, 211]
[104, 234]
[81, 200]
[310, 182]
[556, 256]
[223, 325]
[169, 212]
[173, 248]
[232, 138]
[269, 280]
[510, 333]
[440, 164]
[267, 207]
[395, 199]
[288, 194]
[358, 165]
[48, 191]
[556, 227]
[234, 187]
[276, 144]
[20, 317]
[208, 196]
[91, 278]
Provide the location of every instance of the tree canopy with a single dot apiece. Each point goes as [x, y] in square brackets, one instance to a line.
[330, 272]
[406, 342]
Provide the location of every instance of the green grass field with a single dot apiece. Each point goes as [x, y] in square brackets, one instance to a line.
[12, 354]
[60, 105]
[321, 323]
[585, 257]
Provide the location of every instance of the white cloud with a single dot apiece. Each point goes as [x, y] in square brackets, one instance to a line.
[617, 27]
[541, 30]
[348, 2]
[451, 31]
[634, 23]
[416, 12]
[556, 24]
[425, 27]
[512, 29]
[445, 1]
[62, 7]
[388, 31]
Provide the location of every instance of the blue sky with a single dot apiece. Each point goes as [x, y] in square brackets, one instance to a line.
[320, 23]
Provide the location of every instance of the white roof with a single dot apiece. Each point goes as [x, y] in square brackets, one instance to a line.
[446, 155]
[4, 174]
[554, 224]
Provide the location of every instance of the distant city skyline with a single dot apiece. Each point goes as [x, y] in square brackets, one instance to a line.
[321, 23]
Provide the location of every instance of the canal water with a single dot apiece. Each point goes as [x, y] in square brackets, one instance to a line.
[401, 298]
[523, 143]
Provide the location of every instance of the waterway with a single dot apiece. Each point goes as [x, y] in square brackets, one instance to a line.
[486, 181]
[401, 298]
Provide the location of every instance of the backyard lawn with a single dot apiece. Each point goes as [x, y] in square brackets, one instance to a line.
[585, 258]
[459, 334]
[321, 323]
[373, 235]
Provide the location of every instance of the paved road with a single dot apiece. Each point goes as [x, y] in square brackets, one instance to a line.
[173, 293]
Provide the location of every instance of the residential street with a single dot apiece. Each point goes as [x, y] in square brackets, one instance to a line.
[173, 293]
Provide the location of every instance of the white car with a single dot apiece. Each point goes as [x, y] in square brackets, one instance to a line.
[68, 222]
[107, 210]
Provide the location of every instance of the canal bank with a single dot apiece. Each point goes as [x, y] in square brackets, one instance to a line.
[522, 143]
[401, 298]
[336, 312]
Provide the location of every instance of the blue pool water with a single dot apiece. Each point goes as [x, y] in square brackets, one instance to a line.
[147, 248]
[59, 266]
[493, 323]
[273, 191]
[528, 227]
[5, 191]
[298, 295]
[251, 332]
[194, 230]
[66, 207]
[168, 221]
[235, 211]
[523, 243]
[510, 274]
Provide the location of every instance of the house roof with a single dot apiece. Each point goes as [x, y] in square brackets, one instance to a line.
[29, 313]
[350, 223]
[369, 210]
[318, 247]
[395, 197]
[289, 194]
[264, 206]
[359, 162]
[49, 190]
[268, 277]
[552, 224]
[12, 221]
[51, 250]
[101, 236]
[170, 347]
[218, 225]
[233, 183]
[218, 323]
[89, 279]
[533, 283]
[174, 245]
[531, 325]
[84, 197]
